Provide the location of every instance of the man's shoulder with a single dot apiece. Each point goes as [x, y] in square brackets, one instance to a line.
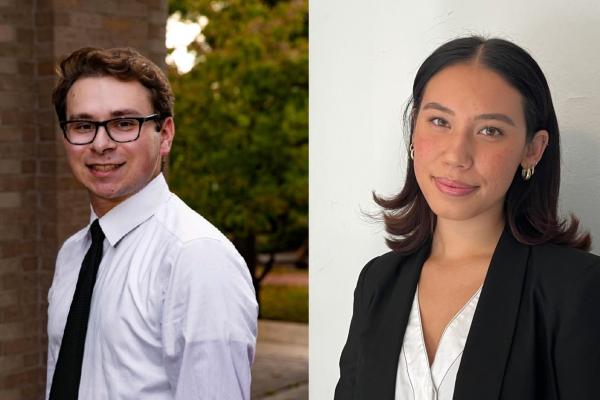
[74, 240]
[200, 243]
[185, 224]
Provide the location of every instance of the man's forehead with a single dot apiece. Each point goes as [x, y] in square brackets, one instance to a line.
[91, 96]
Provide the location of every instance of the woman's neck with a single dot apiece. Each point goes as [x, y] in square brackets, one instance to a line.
[455, 240]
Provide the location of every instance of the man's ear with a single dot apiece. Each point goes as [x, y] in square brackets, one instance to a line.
[534, 150]
[167, 132]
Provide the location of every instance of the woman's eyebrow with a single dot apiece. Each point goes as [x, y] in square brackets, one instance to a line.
[487, 116]
[496, 116]
[437, 106]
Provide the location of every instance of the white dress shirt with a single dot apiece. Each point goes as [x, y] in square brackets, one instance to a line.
[173, 313]
[415, 379]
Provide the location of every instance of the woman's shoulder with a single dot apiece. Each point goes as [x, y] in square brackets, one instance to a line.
[563, 265]
[562, 257]
[391, 266]
[565, 283]
[383, 264]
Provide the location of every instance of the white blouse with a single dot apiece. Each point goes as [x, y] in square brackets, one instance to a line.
[415, 379]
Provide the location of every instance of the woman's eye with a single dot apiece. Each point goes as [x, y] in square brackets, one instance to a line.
[439, 121]
[491, 131]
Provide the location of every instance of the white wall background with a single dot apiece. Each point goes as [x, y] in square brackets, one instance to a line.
[363, 58]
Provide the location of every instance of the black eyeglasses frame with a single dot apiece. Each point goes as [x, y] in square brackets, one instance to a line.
[104, 124]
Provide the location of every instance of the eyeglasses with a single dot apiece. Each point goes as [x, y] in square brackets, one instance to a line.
[120, 130]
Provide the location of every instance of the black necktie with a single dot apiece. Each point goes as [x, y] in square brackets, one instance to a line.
[67, 374]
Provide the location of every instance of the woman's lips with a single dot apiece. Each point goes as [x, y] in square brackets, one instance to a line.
[454, 188]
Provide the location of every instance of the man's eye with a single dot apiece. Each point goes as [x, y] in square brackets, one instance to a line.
[125, 124]
[82, 126]
[491, 131]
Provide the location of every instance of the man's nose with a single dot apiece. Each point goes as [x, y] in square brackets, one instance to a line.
[102, 141]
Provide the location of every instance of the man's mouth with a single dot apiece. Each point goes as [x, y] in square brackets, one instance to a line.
[104, 167]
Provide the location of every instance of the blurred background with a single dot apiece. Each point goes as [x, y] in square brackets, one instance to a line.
[239, 70]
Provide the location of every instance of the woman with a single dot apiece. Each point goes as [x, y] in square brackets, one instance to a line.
[487, 294]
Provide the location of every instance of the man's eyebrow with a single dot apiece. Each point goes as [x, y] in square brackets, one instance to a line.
[125, 111]
[113, 114]
[85, 116]
[437, 106]
[496, 116]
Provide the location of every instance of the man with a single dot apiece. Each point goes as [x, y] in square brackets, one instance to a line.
[149, 301]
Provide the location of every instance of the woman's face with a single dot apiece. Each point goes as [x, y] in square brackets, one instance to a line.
[469, 139]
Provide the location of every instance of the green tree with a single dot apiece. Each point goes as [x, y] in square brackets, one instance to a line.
[241, 152]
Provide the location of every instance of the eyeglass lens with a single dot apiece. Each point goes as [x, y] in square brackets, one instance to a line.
[120, 130]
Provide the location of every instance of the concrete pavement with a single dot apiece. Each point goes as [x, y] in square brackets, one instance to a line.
[280, 370]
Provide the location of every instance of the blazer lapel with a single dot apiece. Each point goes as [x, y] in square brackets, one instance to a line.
[488, 344]
[385, 326]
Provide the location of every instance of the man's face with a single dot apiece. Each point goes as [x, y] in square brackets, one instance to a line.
[112, 171]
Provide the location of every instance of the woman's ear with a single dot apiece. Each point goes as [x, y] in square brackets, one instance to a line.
[534, 150]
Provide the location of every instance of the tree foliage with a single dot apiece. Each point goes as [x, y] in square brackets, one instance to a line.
[240, 155]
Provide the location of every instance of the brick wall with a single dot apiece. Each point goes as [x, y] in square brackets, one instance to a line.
[40, 203]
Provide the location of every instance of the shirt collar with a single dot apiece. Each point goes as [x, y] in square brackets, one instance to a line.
[136, 209]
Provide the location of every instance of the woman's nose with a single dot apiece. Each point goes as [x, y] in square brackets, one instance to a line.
[459, 149]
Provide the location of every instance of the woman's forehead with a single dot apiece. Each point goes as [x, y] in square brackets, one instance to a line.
[472, 88]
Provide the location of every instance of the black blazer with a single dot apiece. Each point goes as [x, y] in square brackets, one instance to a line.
[535, 333]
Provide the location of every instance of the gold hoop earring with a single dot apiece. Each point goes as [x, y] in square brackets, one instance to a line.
[527, 173]
[411, 151]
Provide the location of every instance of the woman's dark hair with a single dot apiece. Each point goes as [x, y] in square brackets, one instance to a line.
[530, 207]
